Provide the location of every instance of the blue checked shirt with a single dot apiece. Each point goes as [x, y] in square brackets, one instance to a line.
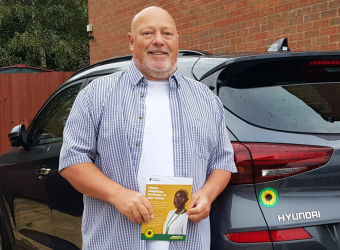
[104, 127]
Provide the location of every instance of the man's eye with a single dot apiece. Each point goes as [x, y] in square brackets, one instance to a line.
[167, 34]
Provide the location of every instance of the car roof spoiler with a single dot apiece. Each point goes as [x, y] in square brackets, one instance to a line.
[279, 46]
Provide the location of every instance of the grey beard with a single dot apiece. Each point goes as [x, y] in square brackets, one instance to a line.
[159, 73]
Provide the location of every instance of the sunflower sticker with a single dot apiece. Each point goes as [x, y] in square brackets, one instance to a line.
[149, 233]
[268, 197]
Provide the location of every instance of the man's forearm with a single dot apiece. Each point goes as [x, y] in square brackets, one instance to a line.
[216, 183]
[89, 180]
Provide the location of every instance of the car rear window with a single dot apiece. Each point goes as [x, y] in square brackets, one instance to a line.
[291, 95]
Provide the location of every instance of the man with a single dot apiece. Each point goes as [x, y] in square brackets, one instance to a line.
[147, 120]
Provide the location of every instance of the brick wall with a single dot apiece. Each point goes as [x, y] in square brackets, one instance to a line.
[222, 26]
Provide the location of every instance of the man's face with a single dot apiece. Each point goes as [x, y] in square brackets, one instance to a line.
[154, 44]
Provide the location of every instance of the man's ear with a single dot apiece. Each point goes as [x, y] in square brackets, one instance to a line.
[130, 41]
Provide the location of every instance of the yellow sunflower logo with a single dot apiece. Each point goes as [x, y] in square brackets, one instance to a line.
[268, 197]
[149, 233]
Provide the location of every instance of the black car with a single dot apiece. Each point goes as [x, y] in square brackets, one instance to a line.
[282, 110]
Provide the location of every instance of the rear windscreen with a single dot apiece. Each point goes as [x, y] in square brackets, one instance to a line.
[296, 95]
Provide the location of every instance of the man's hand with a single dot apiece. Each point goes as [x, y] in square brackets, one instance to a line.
[199, 206]
[133, 205]
[201, 200]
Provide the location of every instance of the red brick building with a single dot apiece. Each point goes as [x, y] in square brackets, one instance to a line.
[222, 26]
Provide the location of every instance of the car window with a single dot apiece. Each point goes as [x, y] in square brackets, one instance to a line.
[49, 125]
[299, 96]
[308, 108]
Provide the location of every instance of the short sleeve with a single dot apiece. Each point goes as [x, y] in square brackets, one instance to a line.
[222, 156]
[79, 137]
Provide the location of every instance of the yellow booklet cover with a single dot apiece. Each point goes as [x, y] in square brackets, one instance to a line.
[170, 200]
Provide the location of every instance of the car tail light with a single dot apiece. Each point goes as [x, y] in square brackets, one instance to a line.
[244, 165]
[324, 63]
[272, 161]
[249, 237]
[290, 234]
[265, 236]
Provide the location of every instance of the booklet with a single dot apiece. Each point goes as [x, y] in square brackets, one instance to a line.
[170, 199]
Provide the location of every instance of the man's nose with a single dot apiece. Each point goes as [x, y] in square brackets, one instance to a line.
[158, 39]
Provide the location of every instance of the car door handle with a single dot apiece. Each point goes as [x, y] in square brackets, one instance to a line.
[43, 171]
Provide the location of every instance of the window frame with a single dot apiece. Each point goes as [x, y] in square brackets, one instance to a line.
[30, 129]
[91, 79]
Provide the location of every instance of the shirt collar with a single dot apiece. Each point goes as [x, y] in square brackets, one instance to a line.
[136, 77]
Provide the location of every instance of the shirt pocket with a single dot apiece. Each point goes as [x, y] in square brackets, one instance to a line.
[201, 136]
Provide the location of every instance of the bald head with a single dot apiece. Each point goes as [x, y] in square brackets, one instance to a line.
[154, 43]
[150, 11]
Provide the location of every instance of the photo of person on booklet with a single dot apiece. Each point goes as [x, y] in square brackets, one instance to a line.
[177, 219]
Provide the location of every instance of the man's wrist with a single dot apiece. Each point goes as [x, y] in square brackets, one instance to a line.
[114, 191]
[216, 183]
[209, 193]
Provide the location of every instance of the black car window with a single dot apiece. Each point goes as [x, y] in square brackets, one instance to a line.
[49, 125]
[294, 96]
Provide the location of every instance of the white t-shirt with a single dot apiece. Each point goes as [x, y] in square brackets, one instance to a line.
[157, 148]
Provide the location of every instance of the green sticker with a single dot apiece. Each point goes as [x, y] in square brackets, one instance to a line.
[149, 233]
[268, 197]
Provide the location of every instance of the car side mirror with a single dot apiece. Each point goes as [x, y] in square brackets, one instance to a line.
[17, 136]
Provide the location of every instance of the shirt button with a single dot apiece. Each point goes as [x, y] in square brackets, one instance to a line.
[137, 144]
[141, 117]
[141, 95]
[144, 80]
